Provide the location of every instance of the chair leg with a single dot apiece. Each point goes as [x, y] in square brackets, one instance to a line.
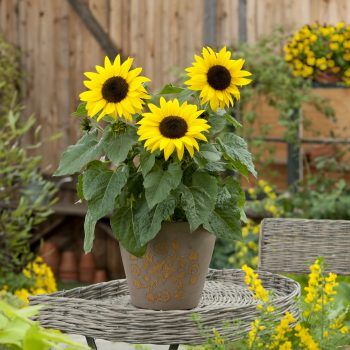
[174, 346]
[91, 343]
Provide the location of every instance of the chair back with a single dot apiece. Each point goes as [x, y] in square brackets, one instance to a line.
[292, 245]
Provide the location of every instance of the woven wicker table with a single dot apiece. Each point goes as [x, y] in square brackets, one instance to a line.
[103, 311]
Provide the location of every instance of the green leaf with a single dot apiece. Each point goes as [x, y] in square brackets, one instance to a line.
[210, 152]
[81, 110]
[80, 191]
[170, 89]
[158, 183]
[236, 191]
[235, 150]
[185, 95]
[3, 321]
[199, 200]
[88, 148]
[95, 176]
[232, 194]
[147, 223]
[117, 146]
[101, 187]
[123, 228]
[147, 161]
[223, 114]
[217, 123]
[233, 121]
[89, 229]
[225, 223]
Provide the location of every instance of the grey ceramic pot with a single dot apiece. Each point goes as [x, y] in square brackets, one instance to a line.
[171, 274]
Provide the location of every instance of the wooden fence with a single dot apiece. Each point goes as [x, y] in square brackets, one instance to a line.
[162, 35]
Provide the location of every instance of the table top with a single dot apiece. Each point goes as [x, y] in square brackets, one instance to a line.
[104, 311]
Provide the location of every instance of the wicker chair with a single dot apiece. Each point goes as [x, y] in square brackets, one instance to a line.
[291, 245]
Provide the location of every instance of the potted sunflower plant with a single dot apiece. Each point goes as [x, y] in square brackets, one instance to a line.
[160, 166]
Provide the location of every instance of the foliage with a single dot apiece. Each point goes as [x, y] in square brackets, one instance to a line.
[37, 279]
[141, 189]
[25, 199]
[322, 324]
[18, 331]
[275, 86]
[9, 76]
[262, 202]
[321, 53]
[324, 194]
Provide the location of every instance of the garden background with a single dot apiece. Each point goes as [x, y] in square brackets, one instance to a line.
[297, 130]
[57, 45]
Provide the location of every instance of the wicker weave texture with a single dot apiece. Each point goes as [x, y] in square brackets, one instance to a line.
[103, 310]
[291, 245]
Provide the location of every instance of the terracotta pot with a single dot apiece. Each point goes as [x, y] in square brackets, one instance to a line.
[100, 276]
[171, 274]
[87, 268]
[68, 267]
[51, 256]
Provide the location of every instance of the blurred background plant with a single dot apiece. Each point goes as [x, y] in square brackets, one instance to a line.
[323, 323]
[10, 75]
[320, 52]
[19, 331]
[26, 196]
[274, 85]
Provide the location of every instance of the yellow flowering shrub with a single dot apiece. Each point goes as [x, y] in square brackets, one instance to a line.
[319, 327]
[263, 198]
[40, 279]
[320, 52]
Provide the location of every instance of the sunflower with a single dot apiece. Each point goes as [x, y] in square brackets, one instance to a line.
[172, 126]
[114, 90]
[217, 76]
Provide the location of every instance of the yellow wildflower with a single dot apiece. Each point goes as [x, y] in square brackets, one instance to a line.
[267, 189]
[346, 44]
[311, 61]
[344, 330]
[340, 25]
[346, 56]
[218, 339]
[44, 280]
[270, 309]
[255, 284]
[22, 294]
[253, 333]
[306, 338]
[283, 328]
[334, 46]
[285, 346]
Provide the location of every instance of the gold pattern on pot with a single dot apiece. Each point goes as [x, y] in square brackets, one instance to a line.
[165, 263]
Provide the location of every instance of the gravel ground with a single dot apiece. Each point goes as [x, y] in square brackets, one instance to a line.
[106, 345]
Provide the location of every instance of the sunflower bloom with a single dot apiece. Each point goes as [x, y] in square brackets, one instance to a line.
[171, 127]
[114, 90]
[217, 77]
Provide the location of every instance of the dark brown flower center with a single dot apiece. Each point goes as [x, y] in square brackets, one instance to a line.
[219, 77]
[115, 89]
[173, 127]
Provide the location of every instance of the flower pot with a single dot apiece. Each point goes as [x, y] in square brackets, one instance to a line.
[171, 274]
[51, 256]
[100, 276]
[87, 268]
[68, 267]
